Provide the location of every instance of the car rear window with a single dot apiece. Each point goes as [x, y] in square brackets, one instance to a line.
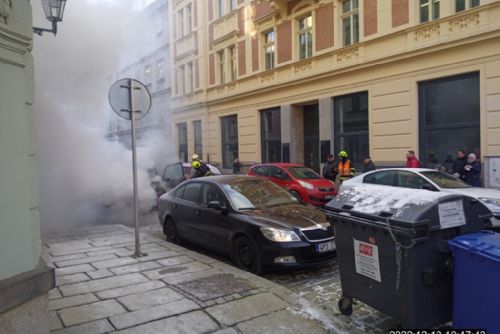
[303, 173]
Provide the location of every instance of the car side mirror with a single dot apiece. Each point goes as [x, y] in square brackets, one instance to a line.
[216, 205]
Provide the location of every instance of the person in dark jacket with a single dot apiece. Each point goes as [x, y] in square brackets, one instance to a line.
[330, 168]
[236, 166]
[368, 165]
[412, 161]
[473, 171]
[459, 164]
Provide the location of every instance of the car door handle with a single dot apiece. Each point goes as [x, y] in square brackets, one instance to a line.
[197, 212]
[174, 206]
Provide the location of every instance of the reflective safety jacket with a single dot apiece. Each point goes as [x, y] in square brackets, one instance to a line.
[345, 170]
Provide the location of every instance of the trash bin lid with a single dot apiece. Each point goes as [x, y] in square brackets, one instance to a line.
[438, 210]
[484, 243]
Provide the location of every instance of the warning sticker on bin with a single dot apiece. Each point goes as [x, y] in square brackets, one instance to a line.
[366, 259]
[451, 214]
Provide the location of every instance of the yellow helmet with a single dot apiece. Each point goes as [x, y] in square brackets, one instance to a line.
[343, 154]
[196, 164]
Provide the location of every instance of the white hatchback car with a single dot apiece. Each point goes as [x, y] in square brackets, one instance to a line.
[429, 179]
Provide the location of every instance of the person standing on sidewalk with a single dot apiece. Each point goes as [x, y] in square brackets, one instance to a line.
[345, 167]
[459, 164]
[236, 166]
[330, 168]
[473, 171]
[368, 165]
[412, 161]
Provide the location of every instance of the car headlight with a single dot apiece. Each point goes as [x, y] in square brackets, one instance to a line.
[306, 185]
[279, 235]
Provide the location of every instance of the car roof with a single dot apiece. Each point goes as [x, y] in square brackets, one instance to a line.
[418, 170]
[225, 179]
[279, 164]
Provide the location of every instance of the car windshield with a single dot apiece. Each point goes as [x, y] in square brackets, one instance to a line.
[444, 180]
[257, 194]
[303, 173]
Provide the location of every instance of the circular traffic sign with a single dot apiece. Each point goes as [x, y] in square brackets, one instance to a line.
[127, 94]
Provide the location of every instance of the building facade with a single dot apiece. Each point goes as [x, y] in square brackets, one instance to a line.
[152, 68]
[292, 80]
[24, 279]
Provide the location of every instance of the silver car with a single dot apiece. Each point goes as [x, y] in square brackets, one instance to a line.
[429, 179]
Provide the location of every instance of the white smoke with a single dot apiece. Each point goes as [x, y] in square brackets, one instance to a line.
[85, 177]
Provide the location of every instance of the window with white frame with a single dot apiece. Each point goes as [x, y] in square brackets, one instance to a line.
[429, 10]
[232, 62]
[232, 5]
[350, 21]
[221, 7]
[461, 5]
[269, 49]
[305, 37]
[160, 70]
[180, 23]
[188, 13]
[221, 65]
[189, 77]
[148, 75]
[182, 79]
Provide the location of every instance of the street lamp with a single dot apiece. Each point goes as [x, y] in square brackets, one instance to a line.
[54, 10]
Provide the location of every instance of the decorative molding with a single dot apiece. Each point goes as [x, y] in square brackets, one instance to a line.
[426, 33]
[348, 54]
[266, 77]
[302, 67]
[5, 8]
[220, 90]
[231, 87]
[464, 22]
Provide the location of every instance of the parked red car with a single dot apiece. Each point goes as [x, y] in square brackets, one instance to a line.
[302, 182]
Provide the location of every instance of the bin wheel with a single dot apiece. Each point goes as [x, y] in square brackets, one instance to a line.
[345, 306]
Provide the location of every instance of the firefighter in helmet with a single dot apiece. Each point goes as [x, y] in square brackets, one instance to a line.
[345, 167]
[198, 167]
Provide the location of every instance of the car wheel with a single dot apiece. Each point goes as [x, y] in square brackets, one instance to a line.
[170, 231]
[246, 255]
[295, 194]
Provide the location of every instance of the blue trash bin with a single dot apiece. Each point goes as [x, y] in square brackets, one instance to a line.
[476, 281]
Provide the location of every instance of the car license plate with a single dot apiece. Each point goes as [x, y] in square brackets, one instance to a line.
[326, 247]
[329, 196]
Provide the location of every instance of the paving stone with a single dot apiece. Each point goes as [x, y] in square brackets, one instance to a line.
[174, 261]
[157, 255]
[200, 257]
[131, 289]
[54, 321]
[144, 246]
[61, 303]
[69, 245]
[113, 262]
[135, 268]
[187, 277]
[60, 252]
[282, 322]
[87, 259]
[120, 240]
[111, 250]
[192, 323]
[67, 257]
[246, 308]
[101, 273]
[227, 331]
[74, 269]
[157, 312]
[147, 299]
[176, 270]
[54, 294]
[215, 286]
[95, 327]
[95, 311]
[70, 279]
[102, 284]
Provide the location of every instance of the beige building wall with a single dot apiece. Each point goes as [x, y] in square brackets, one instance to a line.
[393, 55]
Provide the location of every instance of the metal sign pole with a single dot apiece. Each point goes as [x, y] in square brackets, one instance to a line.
[137, 252]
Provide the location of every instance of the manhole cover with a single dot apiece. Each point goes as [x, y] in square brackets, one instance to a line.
[215, 286]
[171, 270]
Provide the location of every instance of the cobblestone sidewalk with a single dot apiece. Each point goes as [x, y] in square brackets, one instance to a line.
[102, 289]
